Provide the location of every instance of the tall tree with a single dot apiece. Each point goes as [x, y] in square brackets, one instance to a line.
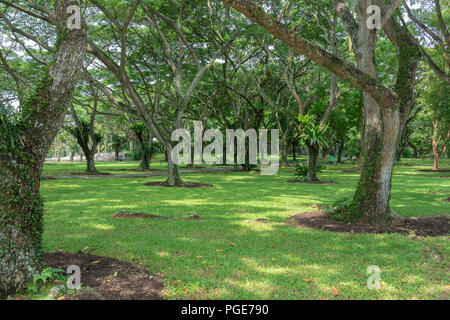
[25, 138]
[385, 109]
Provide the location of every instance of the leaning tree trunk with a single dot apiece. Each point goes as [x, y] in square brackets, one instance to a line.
[313, 153]
[21, 158]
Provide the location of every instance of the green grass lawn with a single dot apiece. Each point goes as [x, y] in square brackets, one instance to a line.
[222, 257]
[111, 167]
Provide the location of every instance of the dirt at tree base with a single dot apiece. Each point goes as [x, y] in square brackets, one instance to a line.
[429, 226]
[431, 170]
[135, 170]
[184, 185]
[141, 215]
[107, 278]
[313, 182]
[260, 220]
[90, 173]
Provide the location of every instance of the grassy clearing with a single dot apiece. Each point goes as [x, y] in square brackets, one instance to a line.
[222, 257]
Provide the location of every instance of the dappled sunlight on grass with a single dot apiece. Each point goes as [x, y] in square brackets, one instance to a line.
[222, 257]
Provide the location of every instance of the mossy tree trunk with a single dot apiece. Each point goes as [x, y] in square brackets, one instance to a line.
[146, 158]
[173, 170]
[383, 123]
[22, 158]
[313, 153]
[371, 200]
[145, 143]
[90, 161]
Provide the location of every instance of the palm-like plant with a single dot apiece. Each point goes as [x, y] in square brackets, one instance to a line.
[313, 135]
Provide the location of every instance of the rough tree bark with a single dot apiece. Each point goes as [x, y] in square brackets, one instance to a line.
[146, 145]
[174, 177]
[313, 153]
[22, 158]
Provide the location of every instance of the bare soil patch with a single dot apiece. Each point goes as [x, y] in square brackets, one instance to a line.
[47, 178]
[431, 170]
[107, 278]
[140, 215]
[192, 167]
[90, 173]
[314, 182]
[137, 170]
[259, 220]
[184, 185]
[429, 226]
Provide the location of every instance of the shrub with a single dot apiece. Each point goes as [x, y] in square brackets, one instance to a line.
[302, 169]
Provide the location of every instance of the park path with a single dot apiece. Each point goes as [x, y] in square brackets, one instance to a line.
[139, 175]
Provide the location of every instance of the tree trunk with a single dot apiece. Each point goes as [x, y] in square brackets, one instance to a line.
[381, 129]
[191, 165]
[294, 153]
[361, 144]
[313, 152]
[284, 155]
[415, 152]
[435, 162]
[435, 144]
[340, 150]
[174, 178]
[371, 200]
[21, 205]
[145, 142]
[90, 161]
[146, 158]
[20, 220]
